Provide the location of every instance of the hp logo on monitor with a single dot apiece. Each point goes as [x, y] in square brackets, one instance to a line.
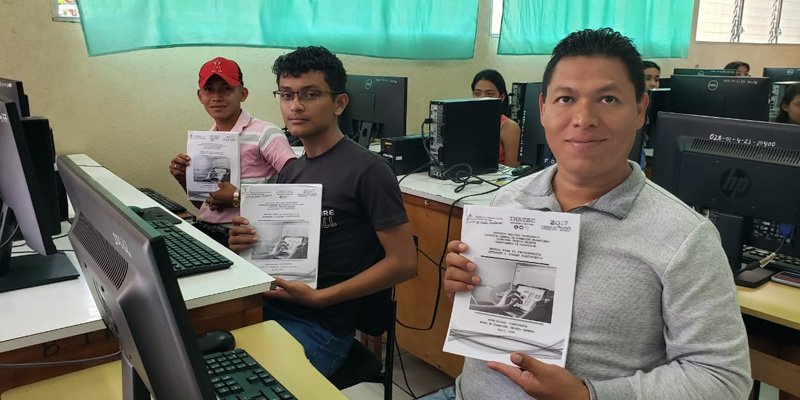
[735, 184]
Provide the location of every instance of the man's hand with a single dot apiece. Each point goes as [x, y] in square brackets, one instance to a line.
[222, 198]
[177, 167]
[540, 380]
[297, 292]
[460, 275]
[242, 236]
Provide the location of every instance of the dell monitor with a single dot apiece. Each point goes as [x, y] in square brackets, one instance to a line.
[730, 97]
[12, 90]
[128, 271]
[24, 207]
[782, 74]
[739, 170]
[377, 108]
[704, 72]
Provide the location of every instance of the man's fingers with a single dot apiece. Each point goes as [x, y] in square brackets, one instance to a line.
[456, 246]
[527, 362]
[521, 378]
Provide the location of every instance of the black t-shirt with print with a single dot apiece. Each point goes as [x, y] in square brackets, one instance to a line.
[360, 196]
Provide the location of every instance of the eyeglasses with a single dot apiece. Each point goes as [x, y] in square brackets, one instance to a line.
[305, 95]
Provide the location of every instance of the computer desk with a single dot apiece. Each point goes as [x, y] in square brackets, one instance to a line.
[60, 321]
[267, 342]
[428, 202]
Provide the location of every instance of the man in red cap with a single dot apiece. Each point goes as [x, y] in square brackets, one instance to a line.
[264, 149]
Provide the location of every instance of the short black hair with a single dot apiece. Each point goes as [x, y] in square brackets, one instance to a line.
[650, 64]
[312, 58]
[736, 65]
[498, 81]
[788, 96]
[599, 42]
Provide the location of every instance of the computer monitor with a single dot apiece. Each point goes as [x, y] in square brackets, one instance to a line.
[12, 90]
[377, 108]
[738, 169]
[24, 206]
[782, 74]
[730, 97]
[127, 268]
[704, 71]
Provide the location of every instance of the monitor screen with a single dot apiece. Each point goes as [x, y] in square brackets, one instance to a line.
[737, 169]
[702, 71]
[128, 271]
[25, 208]
[733, 97]
[377, 108]
[11, 90]
[782, 74]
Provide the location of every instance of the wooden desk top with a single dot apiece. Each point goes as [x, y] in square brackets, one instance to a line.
[267, 342]
[773, 302]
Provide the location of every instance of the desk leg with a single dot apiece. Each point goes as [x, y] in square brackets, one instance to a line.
[416, 297]
[228, 315]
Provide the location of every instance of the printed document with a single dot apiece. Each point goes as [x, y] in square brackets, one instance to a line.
[287, 220]
[526, 261]
[214, 159]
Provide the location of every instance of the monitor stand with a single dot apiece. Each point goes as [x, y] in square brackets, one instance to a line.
[35, 270]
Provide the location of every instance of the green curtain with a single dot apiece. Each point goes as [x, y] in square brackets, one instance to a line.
[659, 28]
[410, 29]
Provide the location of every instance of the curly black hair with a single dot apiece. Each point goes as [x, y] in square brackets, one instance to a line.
[312, 58]
[601, 42]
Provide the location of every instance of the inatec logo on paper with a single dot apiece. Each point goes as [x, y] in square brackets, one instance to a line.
[713, 85]
[121, 243]
[368, 84]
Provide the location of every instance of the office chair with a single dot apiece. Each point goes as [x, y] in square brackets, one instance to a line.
[376, 316]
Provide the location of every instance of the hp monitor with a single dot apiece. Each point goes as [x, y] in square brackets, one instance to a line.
[25, 207]
[377, 108]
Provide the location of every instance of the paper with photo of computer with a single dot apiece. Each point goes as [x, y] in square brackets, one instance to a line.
[527, 261]
[287, 220]
[214, 159]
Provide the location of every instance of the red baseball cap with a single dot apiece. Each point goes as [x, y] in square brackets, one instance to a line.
[226, 69]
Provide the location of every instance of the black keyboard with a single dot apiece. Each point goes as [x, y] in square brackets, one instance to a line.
[163, 200]
[236, 375]
[781, 261]
[189, 256]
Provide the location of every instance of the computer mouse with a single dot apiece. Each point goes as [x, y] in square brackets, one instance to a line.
[521, 170]
[216, 341]
[137, 210]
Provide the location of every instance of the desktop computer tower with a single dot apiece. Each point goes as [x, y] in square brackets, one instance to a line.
[516, 101]
[533, 148]
[464, 132]
[405, 154]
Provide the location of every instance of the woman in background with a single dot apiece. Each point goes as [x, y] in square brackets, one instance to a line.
[790, 106]
[489, 83]
[742, 68]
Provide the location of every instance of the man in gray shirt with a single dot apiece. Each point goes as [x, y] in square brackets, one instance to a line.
[655, 313]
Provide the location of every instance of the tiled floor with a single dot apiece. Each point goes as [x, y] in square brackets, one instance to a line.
[424, 379]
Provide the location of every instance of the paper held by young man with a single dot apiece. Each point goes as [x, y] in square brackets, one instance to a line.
[526, 261]
[287, 221]
[214, 159]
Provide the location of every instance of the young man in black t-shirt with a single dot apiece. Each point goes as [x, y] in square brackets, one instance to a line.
[366, 244]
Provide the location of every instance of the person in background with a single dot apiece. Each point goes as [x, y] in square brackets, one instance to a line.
[652, 73]
[489, 83]
[655, 314]
[790, 106]
[263, 147]
[365, 244]
[742, 68]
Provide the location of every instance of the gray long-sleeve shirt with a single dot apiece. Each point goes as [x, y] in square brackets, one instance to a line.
[655, 314]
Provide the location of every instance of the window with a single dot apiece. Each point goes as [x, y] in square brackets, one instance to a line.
[749, 21]
[65, 11]
[497, 18]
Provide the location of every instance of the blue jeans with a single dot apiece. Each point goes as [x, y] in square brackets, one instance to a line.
[325, 351]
